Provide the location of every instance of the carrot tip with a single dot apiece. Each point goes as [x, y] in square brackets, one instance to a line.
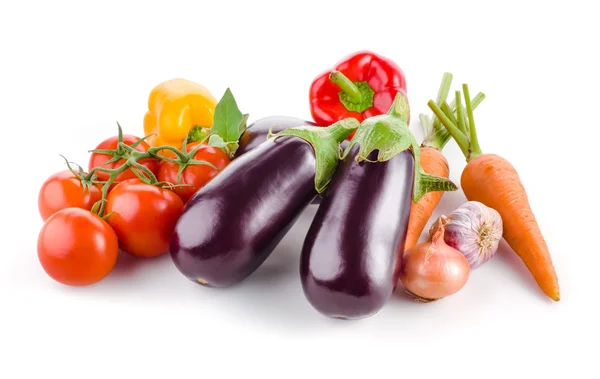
[554, 296]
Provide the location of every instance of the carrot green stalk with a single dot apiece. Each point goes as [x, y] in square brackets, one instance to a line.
[432, 160]
[493, 181]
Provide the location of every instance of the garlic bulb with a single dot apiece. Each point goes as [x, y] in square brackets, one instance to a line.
[473, 229]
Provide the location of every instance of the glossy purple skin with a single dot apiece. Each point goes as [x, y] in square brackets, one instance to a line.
[349, 261]
[257, 132]
[233, 223]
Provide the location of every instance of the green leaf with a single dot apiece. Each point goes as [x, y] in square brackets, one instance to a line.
[229, 122]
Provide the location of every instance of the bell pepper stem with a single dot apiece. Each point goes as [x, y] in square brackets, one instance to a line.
[400, 108]
[346, 85]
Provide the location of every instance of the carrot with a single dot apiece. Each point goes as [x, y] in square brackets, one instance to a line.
[493, 181]
[433, 162]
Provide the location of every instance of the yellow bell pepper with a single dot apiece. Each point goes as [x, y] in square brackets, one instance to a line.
[174, 108]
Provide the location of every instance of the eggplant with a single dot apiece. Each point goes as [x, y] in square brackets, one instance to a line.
[233, 223]
[351, 274]
[351, 254]
[258, 131]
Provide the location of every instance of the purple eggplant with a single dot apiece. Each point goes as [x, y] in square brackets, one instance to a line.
[258, 131]
[350, 257]
[232, 224]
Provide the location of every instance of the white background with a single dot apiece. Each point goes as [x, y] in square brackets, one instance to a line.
[69, 71]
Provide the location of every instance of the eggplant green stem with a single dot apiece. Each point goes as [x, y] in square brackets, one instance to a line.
[389, 135]
[326, 143]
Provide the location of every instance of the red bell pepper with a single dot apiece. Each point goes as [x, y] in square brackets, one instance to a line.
[362, 85]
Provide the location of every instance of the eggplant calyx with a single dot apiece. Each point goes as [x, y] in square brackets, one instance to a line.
[389, 135]
[326, 144]
[425, 183]
[382, 133]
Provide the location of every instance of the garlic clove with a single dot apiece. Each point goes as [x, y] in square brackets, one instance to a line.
[473, 229]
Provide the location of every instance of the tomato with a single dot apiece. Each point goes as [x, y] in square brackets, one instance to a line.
[64, 190]
[76, 247]
[144, 217]
[194, 176]
[98, 160]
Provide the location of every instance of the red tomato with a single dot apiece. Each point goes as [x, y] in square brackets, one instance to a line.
[64, 190]
[76, 247]
[195, 176]
[98, 160]
[144, 217]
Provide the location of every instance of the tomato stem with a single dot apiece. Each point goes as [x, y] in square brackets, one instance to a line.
[154, 152]
[131, 156]
[105, 217]
[145, 170]
[138, 142]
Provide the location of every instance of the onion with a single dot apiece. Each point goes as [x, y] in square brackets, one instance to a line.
[433, 270]
[473, 229]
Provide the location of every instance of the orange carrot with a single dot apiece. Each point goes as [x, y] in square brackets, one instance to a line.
[493, 181]
[433, 162]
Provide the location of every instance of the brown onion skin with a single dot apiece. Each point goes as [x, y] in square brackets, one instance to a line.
[433, 270]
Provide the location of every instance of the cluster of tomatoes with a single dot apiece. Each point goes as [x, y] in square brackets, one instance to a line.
[90, 216]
